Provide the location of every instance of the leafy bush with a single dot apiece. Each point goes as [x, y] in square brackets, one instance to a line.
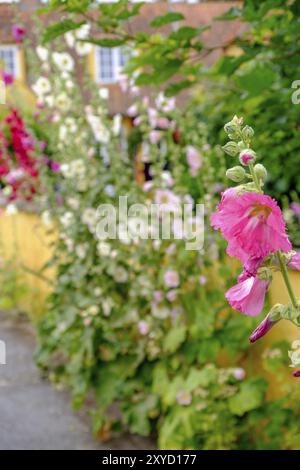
[142, 324]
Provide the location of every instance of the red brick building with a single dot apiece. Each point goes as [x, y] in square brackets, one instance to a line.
[105, 64]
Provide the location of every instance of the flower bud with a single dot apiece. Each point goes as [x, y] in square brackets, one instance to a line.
[236, 174]
[247, 133]
[261, 172]
[231, 148]
[262, 329]
[247, 156]
[264, 273]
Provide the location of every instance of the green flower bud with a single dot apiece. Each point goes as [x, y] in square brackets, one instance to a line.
[231, 148]
[264, 273]
[277, 312]
[247, 133]
[261, 172]
[236, 174]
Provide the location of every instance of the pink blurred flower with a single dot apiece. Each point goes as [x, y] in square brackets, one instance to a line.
[163, 123]
[246, 158]
[194, 159]
[132, 110]
[158, 296]
[171, 295]
[252, 224]
[295, 261]
[143, 327]
[295, 207]
[171, 278]
[296, 373]
[7, 78]
[202, 280]
[154, 137]
[18, 33]
[239, 373]
[248, 296]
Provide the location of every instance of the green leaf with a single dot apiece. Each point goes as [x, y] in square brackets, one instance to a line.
[166, 19]
[175, 88]
[106, 42]
[250, 396]
[185, 33]
[57, 29]
[174, 338]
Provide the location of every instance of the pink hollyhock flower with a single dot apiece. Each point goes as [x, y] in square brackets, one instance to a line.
[18, 33]
[262, 329]
[143, 327]
[55, 166]
[296, 373]
[239, 373]
[252, 224]
[7, 78]
[163, 123]
[158, 296]
[171, 278]
[246, 158]
[194, 159]
[155, 136]
[248, 296]
[295, 261]
[171, 295]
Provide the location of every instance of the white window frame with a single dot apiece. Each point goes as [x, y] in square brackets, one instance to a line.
[16, 60]
[116, 67]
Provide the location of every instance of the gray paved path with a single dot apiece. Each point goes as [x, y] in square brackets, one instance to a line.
[33, 415]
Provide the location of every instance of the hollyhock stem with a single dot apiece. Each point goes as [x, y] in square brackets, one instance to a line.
[286, 278]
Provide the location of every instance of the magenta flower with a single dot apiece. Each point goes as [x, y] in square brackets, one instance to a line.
[262, 329]
[18, 33]
[252, 224]
[7, 78]
[248, 296]
[296, 373]
[171, 278]
[295, 261]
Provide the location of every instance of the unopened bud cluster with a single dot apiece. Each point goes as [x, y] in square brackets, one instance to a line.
[239, 146]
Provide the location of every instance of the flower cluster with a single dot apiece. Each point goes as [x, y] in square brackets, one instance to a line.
[252, 224]
[18, 159]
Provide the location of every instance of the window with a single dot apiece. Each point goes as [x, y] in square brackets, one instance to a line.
[9, 60]
[109, 63]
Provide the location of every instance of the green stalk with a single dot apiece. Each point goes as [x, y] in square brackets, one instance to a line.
[286, 278]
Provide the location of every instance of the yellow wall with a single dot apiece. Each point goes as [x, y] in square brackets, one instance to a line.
[25, 241]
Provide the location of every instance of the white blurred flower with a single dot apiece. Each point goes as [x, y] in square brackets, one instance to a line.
[83, 32]
[41, 87]
[104, 93]
[83, 48]
[46, 218]
[100, 132]
[120, 274]
[70, 39]
[93, 310]
[117, 124]
[67, 219]
[63, 61]
[89, 217]
[73, 203]
[11, 209]
[63, 102]
[42, 53]
[103, 248]
[81, 250]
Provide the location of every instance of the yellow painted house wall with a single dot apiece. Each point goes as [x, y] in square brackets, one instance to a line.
[25, 243]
